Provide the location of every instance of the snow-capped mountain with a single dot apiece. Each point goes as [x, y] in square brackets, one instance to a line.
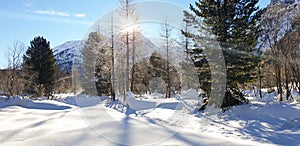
[286, 1]
[69, 53]
[66, 54]
[290, 10]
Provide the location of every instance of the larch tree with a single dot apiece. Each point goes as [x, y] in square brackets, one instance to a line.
[112, 46]
[127, 10]
[131, 39]
[166, 34]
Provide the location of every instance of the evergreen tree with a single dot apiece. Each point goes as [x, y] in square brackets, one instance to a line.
[89, 62]
[189, 76]
[143, 74]
[169, 74]
[76, 86]
[234, 23]
[92, 61]
[40, 67]
[148, 72]
[103, 70]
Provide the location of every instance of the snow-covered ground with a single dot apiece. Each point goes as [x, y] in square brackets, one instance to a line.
[85, 120]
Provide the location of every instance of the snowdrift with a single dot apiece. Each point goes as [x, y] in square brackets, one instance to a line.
[27, 103]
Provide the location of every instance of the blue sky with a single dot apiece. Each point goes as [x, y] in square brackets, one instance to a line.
[57, 20]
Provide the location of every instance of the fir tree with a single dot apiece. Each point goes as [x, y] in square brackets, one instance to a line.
[40, 67]
[234, 23]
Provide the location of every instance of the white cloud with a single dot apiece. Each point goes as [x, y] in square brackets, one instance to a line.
[28, 5]
[80, 15]
[51, 12]
[56, 13]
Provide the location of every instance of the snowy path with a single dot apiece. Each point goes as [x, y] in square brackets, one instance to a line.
[56, 123]
[23, 126]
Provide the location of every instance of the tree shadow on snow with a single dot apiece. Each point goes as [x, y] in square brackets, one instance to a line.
[265, 122]
[171, 105]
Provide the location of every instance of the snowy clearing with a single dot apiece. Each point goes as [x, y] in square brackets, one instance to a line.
[85, 120]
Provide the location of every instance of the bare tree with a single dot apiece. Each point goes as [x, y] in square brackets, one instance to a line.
[112, 39]
[166, 30]
[290, 46]
[133, 60]
[295, 52]
[14, 82]
[131, 39]
[127, 9]
[271, 35]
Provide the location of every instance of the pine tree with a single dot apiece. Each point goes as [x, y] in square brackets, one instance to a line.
[40, 67]
[233, 23]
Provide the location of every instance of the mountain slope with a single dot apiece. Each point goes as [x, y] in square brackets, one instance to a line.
[65, 54]
[285, 15]
[68, 53]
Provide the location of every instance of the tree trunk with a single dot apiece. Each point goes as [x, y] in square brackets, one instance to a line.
[133, 61]
[287, 90]
[278, 80]
[259, 82]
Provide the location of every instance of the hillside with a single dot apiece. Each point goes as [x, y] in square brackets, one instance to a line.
[70, 52]
[286, 14]
[66, 53]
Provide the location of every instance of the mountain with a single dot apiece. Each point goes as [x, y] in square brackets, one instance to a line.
[290, 10]
[67, 53]
[286, 1]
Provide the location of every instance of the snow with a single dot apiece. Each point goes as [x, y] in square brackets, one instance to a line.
[139, 104]
[149, 120]
[71, 46]
[191, 93]
[284, 26]
[69, 53]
